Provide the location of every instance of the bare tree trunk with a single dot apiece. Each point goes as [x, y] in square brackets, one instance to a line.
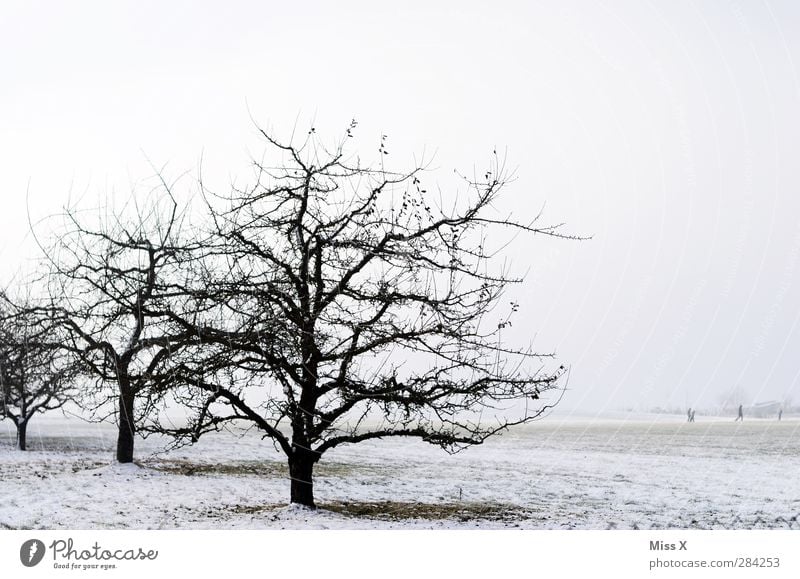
[126, 426]
[22, 434]
[301, 467]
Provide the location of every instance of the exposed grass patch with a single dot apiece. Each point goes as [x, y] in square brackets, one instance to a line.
[275, 469]
[86, 464]
[396, 510]
[247, 468]
[255, 509]
[400, 511]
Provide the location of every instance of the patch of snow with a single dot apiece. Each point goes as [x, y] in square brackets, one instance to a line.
[591, 474]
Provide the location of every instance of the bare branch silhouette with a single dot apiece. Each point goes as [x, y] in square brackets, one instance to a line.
[338, 302]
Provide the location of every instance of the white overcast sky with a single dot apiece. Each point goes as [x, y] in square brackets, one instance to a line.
[669, 131]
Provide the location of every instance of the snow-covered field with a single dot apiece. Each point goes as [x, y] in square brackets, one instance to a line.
[577, 473]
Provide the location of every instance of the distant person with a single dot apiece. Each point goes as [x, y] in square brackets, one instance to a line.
[741, 414]
[780, 414]
[691, 416]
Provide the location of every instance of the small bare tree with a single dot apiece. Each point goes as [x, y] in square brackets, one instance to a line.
[339, 303]
[35, 373]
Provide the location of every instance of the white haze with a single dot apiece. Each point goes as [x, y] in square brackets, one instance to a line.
[667, 131]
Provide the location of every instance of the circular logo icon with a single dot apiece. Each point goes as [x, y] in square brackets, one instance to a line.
[31, 553]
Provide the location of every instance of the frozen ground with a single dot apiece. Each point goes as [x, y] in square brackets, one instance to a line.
[595, 474]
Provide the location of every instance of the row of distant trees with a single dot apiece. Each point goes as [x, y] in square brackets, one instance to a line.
[327, 302]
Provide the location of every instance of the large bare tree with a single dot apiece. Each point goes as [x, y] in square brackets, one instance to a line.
[339, 302]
